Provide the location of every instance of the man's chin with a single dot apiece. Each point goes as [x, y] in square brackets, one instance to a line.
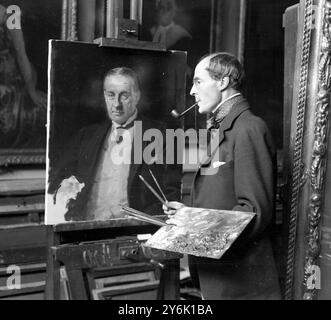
[205, 109]
[202, 110]
[120, 119]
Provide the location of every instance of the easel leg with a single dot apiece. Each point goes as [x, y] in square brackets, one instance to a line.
[77, 284]
[52, 291]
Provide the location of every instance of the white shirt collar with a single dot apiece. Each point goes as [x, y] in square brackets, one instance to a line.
[167, 27]
[225, 100]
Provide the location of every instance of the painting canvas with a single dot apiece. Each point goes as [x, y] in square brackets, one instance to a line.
[77, 102]
[201, 232]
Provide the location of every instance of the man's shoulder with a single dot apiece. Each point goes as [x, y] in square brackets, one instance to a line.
[94, 127]
[248, 121]
[177, 33]
[89, 132]
[250, 127]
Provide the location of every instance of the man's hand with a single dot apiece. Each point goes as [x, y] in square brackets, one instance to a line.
[172, 207]
[173, 211]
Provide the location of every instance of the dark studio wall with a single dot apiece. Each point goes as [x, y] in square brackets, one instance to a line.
[264, 62]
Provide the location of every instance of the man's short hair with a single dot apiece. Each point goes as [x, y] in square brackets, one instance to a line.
[223, 64]
[127, 72]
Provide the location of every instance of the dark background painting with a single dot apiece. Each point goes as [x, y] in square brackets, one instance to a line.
[195, 17]
[77, 72]
[40, 21]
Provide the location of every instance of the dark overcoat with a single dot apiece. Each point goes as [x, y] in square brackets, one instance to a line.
[244, 182]
[82, 157]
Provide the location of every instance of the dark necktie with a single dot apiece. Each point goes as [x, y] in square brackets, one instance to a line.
[119, 131]
[213, 123]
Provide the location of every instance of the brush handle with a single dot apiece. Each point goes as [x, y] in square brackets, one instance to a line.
[158, 186]
[144, 217]
[153, 191]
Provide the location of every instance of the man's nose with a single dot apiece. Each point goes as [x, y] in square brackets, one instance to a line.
[193, 91]
[117, 102]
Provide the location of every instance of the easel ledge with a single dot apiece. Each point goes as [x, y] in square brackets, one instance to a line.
[129, 44]
[102, 224]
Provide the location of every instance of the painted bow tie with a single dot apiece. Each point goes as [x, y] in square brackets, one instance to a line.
[119, 131]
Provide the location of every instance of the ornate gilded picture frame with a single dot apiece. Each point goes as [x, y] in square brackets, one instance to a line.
[308, 248]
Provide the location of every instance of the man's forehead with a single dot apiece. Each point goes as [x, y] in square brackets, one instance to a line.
[201, 68]
[118, 80]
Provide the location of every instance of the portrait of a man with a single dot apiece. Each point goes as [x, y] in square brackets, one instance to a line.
[98, 171]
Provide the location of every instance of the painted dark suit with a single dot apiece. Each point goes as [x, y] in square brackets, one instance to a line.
[82, 160]
[244, 182]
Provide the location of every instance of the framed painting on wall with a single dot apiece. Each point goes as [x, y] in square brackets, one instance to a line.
[25, 27]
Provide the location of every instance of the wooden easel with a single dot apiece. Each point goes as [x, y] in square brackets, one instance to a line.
[89, 249]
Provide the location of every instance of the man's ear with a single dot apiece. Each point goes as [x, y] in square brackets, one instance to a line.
[137, 96]
[223, 84]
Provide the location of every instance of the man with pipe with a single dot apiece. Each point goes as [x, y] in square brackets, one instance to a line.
[243, 179]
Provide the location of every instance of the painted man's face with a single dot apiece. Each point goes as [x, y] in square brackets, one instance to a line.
[166, 12]
[121, 97]
[205, 89]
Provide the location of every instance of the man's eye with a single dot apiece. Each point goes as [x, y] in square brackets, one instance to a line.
[110, 96]
[125, 96]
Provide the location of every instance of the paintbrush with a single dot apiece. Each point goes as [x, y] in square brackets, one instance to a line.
[144, 217]
[157, 184]
[153, 191]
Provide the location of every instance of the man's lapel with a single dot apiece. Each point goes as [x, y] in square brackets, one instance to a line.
[92, 147]
[236, 110]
